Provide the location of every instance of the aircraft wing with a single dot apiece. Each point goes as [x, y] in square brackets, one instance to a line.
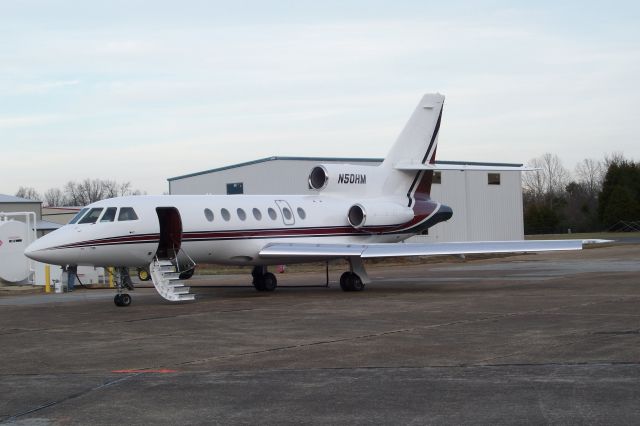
[292, 250]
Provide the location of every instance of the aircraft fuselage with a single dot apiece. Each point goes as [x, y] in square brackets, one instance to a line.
[225, 229]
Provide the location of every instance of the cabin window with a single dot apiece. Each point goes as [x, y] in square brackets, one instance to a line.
[225, 214]
[235, 188]
[241, 214]
[92, 216]
[257, 214]
[78, 216]
[493, 179]
[208, 214]
[437, 177]
[127, 213]
[287, 213]
[109, 215]
[272, 213]
[302, 213]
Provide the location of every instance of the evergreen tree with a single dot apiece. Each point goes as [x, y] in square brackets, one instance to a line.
[620, 195]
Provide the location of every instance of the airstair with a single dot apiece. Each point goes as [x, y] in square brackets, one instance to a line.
[165, 275]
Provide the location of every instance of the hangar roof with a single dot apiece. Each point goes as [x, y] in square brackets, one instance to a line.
[332, 159]
[12, 199]
[45, 225]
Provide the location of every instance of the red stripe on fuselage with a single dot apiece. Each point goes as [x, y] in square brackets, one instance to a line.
[422, 214]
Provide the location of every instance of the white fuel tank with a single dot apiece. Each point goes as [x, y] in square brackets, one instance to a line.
[14, 265]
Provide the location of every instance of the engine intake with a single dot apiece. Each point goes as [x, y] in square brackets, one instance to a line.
[318, 178]
[357, 216]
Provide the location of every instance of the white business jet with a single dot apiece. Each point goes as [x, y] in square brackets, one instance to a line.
[357, 212]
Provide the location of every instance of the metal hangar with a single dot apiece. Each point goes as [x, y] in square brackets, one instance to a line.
[486, 205]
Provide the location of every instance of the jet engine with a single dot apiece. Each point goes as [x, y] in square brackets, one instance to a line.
[378, 213]
[344, 178]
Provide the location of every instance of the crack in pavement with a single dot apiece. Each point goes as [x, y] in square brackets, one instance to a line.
[67, 398]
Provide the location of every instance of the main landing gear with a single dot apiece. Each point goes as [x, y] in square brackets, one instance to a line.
[263, 280]
[123, 281]
[350, 281]
[356, 278]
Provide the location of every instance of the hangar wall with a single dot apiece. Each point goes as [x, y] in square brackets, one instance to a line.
[272, 175]
[481, 211]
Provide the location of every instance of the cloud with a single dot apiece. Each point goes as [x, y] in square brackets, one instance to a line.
[128, 95]
[8, 122]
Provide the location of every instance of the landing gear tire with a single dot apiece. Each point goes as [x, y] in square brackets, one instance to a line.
[122, 299]
[263, 280]
[258, 284]
[144, 275]
[350, 281]
[269, 282]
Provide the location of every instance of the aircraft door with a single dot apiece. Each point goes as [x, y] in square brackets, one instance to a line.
[170, 232]
[286, 212]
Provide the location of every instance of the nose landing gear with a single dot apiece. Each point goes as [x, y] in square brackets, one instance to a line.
[123, 281]
[122, 299]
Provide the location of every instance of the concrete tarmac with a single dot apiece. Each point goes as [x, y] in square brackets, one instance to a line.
[543, 339]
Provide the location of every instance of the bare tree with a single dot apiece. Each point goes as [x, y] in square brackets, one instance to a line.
[28, 193]
[590, 175]
[125, 189]
[54, 197]
[548, 181]
[111, 188]
[615, 157]
[91, 190]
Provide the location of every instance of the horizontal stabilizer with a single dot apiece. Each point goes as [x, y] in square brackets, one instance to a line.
[400, 249]
[461, 167]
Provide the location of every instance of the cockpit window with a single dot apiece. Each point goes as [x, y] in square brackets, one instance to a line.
[78, 216]
[92, 216]
[127, 213]
[109, 215]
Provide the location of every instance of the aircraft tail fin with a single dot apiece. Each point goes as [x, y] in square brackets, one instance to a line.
[416, 144]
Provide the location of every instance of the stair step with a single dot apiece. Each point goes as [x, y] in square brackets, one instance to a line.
[167, 281]
[167, 268]
[175, 284]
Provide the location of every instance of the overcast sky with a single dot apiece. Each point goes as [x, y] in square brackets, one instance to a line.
[141, 91]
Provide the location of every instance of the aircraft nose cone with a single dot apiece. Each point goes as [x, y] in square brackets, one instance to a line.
[35, 251]
[41, 250]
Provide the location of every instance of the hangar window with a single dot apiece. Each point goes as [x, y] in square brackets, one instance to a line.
[109, 215]
[92, 216]
[241, 214]
[208, 214]
[225, 214]
[127, 213]
[257, 214]
[78, 216]
[302, 213]
[437, 177]
[235, 188]
[287, 213]
[272, 213]
[494, 179]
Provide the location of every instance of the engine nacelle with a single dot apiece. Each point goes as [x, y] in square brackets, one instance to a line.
[378, 213]
[343, 178]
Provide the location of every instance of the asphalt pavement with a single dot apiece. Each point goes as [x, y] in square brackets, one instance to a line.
[544, 339]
